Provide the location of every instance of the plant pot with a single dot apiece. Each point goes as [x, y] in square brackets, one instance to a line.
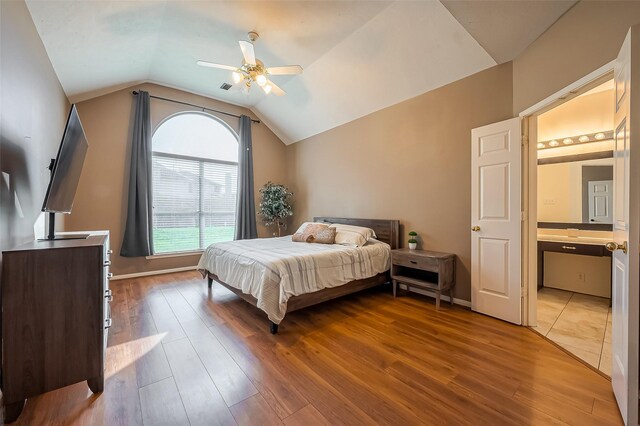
[413, 246]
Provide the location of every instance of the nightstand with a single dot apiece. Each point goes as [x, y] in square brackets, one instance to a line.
[429, 270]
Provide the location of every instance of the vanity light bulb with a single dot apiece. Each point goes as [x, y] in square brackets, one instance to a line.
[583, 138]
[540, 145]
[599, 136]
[554, 143]
[567, 141]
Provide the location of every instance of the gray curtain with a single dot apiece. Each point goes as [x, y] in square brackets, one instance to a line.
[246, 209]
[138, 233]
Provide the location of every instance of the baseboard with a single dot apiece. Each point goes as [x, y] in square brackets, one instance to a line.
[149, 273]
[456, 301]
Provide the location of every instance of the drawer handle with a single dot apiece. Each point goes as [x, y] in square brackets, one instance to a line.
[107, 323]
[414, 262]
[107, 263]
[108, 295]
[568, 247]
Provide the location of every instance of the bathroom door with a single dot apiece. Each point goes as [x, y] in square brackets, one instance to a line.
[496, 220]
[626, 228]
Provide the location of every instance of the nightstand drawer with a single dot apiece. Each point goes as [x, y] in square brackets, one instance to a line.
[417, 262]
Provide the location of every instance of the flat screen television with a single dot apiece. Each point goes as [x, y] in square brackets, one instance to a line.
[65, 173]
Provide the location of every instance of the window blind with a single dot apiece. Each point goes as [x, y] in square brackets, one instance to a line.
[194, 202]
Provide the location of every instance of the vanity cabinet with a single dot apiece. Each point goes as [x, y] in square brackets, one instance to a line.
[569, 248]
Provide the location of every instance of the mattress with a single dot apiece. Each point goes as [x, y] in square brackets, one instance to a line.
[274, 269]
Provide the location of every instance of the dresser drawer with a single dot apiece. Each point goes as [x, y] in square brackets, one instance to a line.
[416, 262]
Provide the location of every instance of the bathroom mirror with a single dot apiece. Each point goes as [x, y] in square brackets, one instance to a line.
[576, 191]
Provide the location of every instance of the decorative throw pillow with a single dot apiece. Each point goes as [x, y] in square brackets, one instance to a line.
[350, 235]
[325, 236]
[312, 229]
[302, 238]
[302, 227]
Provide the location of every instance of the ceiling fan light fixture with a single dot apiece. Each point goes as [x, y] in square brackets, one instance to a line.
[253, 70]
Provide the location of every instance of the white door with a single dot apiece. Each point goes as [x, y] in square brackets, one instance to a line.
[601, 201]
[496, 220]
[626, 211]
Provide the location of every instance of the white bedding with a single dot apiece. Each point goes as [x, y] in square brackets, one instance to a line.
[274, 269]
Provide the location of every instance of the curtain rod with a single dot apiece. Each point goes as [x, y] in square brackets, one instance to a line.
[135, 92]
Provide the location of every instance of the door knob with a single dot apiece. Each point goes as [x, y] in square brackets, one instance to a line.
[475, 228]
[613, 246]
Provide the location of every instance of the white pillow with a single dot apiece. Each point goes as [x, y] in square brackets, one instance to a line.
[304, 225]
[350, 235]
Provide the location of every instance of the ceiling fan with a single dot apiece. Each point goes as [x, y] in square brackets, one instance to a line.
[253, 70]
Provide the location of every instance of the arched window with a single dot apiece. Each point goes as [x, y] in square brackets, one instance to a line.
[195, 174]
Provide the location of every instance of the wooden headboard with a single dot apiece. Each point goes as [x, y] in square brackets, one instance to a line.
[387, 231]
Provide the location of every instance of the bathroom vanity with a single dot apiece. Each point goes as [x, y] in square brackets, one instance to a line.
[574, 219]
[587, 246]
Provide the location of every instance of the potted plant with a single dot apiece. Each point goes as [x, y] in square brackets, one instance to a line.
[413, 243]
[275, 207]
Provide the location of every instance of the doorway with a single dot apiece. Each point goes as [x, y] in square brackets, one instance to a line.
[575, 179]
[520, 291]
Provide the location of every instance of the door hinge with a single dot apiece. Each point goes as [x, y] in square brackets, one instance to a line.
[523, 292]
[524, 139]
[523, 215]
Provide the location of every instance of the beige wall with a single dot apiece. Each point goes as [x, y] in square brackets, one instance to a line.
[411, 161]
[585, 38]
[102, 196]
[33, 112]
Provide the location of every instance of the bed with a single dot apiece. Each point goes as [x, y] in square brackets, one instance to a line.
[243, 263]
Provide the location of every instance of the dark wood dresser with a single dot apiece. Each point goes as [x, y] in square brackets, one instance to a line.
[55, 316]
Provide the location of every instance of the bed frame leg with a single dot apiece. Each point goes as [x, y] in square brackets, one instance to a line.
[210, 281]
[273, 328]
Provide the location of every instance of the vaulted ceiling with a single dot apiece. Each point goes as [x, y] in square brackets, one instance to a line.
[358, 56]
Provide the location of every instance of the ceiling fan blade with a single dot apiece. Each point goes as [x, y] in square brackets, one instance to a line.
[247, 52]
[274, 89]
[212, 65]
[285, 70]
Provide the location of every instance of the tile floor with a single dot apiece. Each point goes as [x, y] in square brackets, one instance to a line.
[579, 323]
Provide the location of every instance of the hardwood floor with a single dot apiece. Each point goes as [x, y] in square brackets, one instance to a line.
[178, 354]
